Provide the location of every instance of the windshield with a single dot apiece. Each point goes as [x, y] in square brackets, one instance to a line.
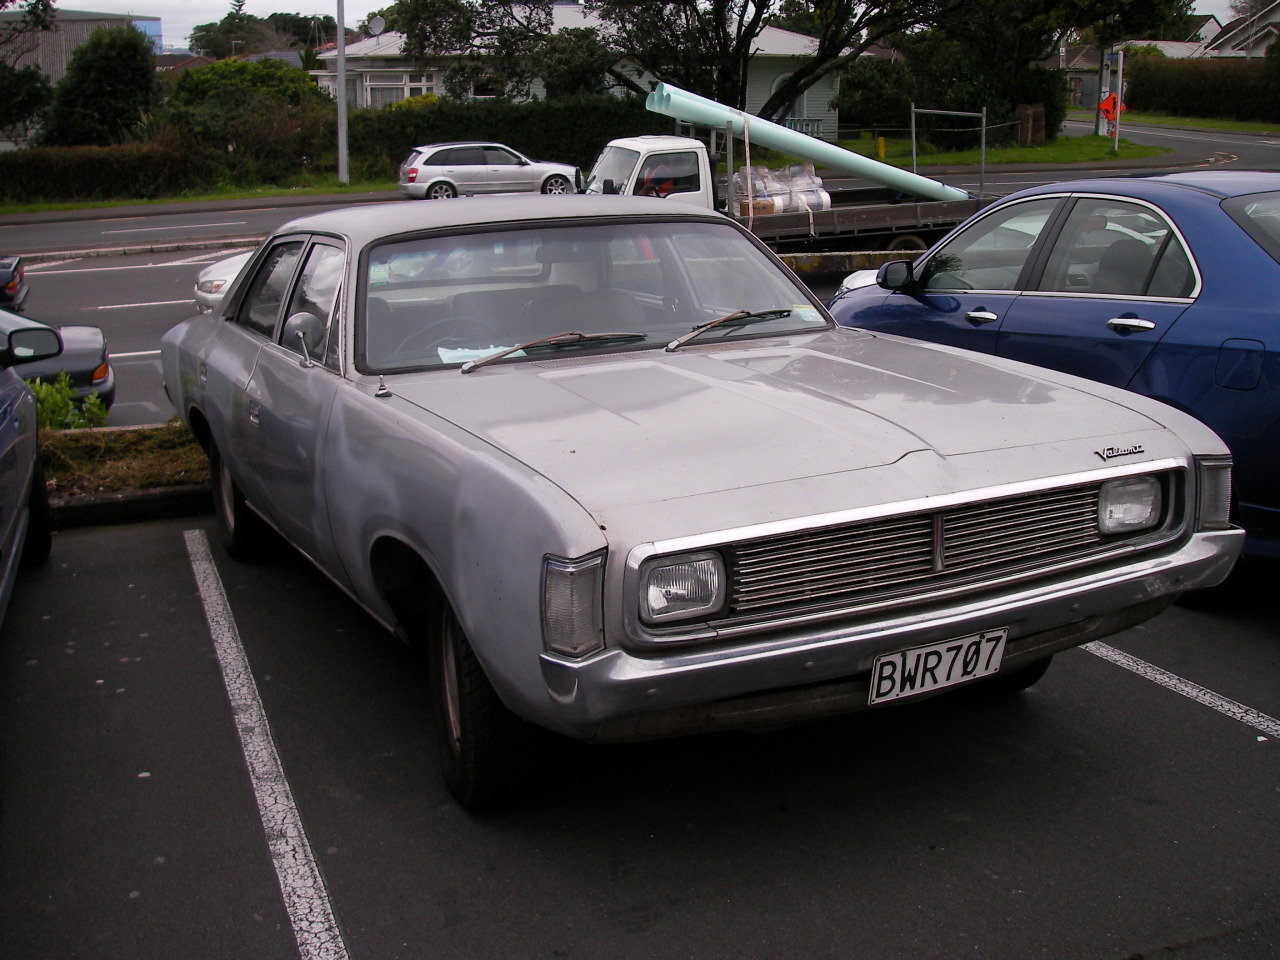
[1259, 215]
[447, 300]
[614, 163]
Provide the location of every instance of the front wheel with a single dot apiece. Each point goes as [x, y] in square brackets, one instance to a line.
[556, 184]
[484, 748]
[244, 535]
[441, 191]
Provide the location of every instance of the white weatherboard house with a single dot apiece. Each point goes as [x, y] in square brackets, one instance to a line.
[378, 73]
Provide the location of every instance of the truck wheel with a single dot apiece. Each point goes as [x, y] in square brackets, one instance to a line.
[908, 241]
[557, 184]
[1016, 680]
[485, 750]
[39, 529]
[243, 534]
[441, 191]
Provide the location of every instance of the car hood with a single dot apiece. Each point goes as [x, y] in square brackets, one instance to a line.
[638, 427]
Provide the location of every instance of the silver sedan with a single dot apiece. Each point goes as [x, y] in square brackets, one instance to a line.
[619, 475]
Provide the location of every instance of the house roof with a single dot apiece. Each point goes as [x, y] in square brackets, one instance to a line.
[772, 42]
[1243, 32]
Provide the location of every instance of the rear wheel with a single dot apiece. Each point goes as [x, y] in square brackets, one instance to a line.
[486, 751]
[556, 184]
[244, 535]
[39, 528]
[441, 191]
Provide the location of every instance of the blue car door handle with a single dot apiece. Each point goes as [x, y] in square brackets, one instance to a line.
[1129, 324]
[978, 317]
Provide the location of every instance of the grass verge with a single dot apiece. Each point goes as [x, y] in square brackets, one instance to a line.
[108, 460]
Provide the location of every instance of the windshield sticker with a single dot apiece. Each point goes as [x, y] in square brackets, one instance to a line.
[806, 313]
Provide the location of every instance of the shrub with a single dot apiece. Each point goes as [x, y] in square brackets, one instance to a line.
[162, 168]
[1237, 89]
[55, 410]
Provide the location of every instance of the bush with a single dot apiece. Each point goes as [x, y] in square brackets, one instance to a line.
[109, 87]
[1236, 89]
[55, 410]
[162, 168]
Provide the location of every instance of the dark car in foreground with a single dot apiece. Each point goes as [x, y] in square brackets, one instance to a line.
[24, 509]
[84, 359]
[1168, 286]
[615, 470]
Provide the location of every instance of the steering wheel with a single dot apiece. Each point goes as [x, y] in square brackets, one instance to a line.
[451, 331]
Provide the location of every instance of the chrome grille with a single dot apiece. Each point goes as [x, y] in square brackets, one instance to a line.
[897, 557]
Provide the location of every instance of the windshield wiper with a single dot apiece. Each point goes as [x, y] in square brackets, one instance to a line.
[556, 339]
[738, 318]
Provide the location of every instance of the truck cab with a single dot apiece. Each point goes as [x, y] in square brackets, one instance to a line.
[655, 166]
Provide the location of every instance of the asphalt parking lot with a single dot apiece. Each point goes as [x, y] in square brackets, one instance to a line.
[1099, 815]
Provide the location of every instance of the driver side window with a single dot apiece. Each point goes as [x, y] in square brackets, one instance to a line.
[260, 308]
[992, 253]
[311, 308]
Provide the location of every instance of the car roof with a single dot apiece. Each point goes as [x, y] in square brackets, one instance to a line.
[365, 223]
[1215, 183]
[461, 143]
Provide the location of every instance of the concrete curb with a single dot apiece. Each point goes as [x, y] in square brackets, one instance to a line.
[133, 506]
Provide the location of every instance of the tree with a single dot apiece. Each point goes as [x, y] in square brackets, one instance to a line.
[109, 88]
[17, 36]
[575, 61]
[24, 92]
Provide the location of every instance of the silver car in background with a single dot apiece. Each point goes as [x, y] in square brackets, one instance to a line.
[441, 171]
[618, 474]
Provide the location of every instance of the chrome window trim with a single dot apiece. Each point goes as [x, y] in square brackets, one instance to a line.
[640, 634]
[1186, 248]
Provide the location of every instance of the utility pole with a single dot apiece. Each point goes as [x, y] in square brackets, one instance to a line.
[344, 173]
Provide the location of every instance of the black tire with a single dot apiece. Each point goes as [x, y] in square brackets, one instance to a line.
[557, 184]
[440, 191]
[486, 751]
[907, 241]
[39, 524]
[1015, 681]
[243, 534]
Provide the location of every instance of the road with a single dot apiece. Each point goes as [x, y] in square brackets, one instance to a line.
[1099, 815]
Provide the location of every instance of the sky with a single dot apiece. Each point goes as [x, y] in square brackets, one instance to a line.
[178, 17]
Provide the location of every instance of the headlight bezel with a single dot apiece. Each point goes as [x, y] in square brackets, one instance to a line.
[1110, 525]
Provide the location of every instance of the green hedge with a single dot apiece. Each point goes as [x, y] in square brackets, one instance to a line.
[568, 131]
[1236, 89]
[275, 148]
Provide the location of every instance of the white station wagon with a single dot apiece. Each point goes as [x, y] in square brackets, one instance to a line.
[617, 472]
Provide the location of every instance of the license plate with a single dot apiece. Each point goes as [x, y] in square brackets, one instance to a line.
[935, 665]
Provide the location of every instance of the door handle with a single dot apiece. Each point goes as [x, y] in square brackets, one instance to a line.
[979, 317]
[1129, 324]
[203, 373]
[255, 411]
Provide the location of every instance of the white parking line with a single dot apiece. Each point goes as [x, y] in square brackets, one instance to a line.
[51, 263]
[305, 895]
[131, 356]
[1230, 708]
[154, 303]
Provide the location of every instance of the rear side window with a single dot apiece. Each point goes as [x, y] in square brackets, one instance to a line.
[1113, 247]
[458, 157]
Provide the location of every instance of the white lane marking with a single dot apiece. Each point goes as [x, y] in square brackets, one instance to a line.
[51, 263]
[185, 226]
[216, 255]
[140, 353]
[154, 303]
[1230, 708]
[305, 896]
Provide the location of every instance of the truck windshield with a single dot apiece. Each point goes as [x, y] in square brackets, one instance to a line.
[614, 163]
[443, 301]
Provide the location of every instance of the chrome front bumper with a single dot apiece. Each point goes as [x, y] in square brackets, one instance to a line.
[620, 695]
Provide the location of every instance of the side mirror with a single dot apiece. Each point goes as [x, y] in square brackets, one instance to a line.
[31, 344]
[310, 329]
[896, 275]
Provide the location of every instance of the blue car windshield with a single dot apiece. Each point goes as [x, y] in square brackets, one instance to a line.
[442, 301]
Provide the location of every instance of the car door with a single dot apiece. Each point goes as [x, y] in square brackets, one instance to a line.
[227, 361]
[467, 168]
[289, 396]
[966, 287]
[504, 171]
[1116, 279]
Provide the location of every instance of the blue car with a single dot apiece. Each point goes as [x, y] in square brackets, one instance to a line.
[1168, 286]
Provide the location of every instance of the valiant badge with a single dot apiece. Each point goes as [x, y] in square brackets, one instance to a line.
[1110, 453]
